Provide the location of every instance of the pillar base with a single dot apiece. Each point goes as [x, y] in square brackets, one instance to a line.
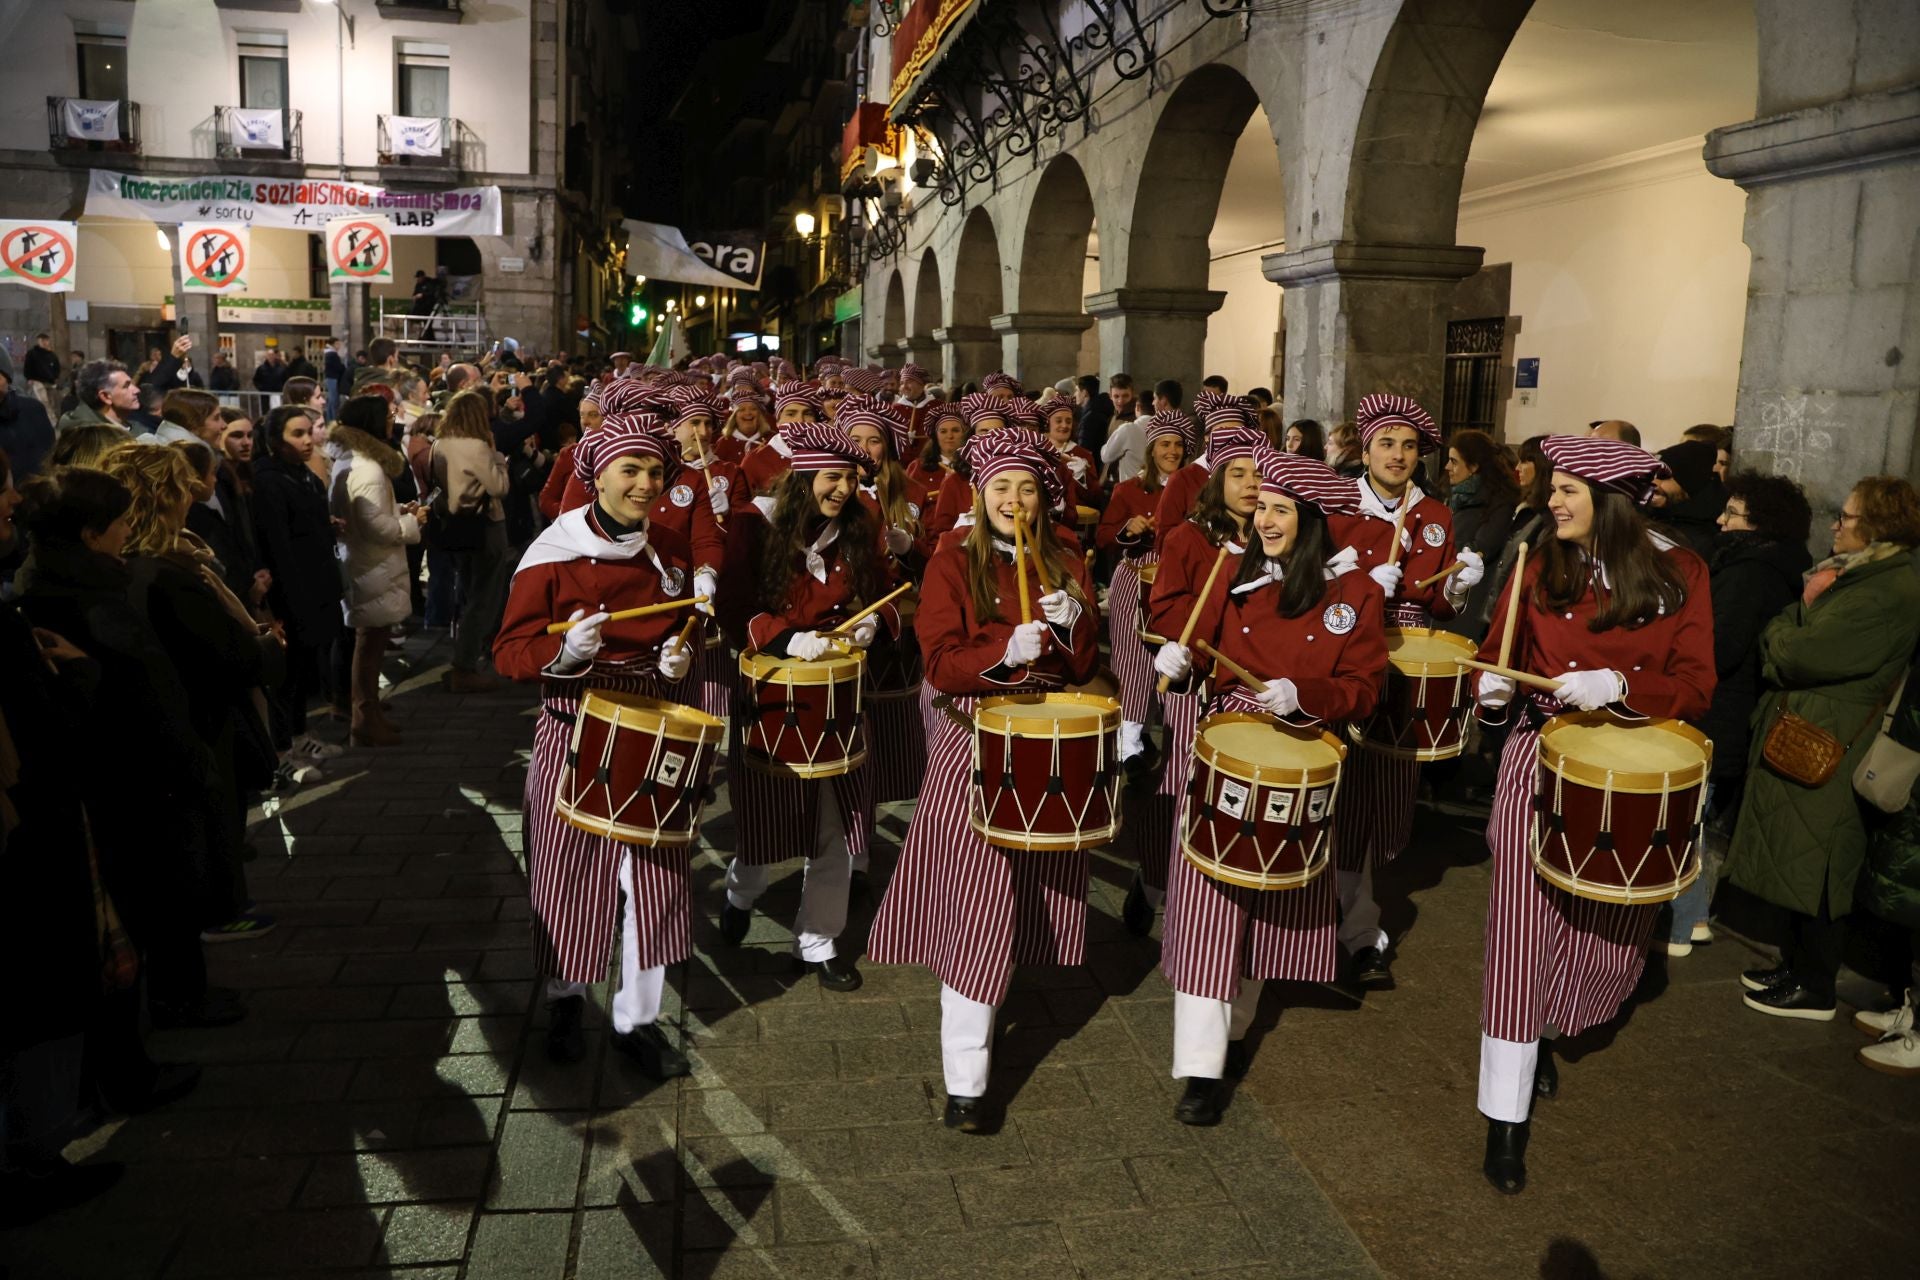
[1040, 347]
[1154, 333]
[968, 353]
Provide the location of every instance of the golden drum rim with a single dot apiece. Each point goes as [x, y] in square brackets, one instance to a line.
[1429, 667]
[838, 668]
[1593, 892]
[1022, 842]
[1267, 774]
[1638, 782]
[652, 714]
[989, 718]
[761, 762]
[655, 837]
[1215, 870]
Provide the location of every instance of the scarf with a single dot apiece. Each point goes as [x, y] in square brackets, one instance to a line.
[1465, 494]
[574, 537]
[1828, 571]
[816, 561]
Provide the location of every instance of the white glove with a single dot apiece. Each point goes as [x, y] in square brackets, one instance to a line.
[1388, 576]
[582, 640]
[1173, 660]
[1588, 690]
[806, 645]
[899, 541]
[1279, 698]
[1059, 608]
[1078, 466]
[1495, 691]
[864, 631]
[719, 496]
[706, 583]
[676, 659]
[1025, 644]
[1472, 570]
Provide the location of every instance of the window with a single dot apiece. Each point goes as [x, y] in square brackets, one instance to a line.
[103, 67]
[421, 78]
[263, 70]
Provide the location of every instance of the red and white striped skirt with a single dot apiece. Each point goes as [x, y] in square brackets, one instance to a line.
[573, 876]
[1373, 821]
[1553, 959]
[899, 746]
[777, 817]
[965, 909]
[1149, 819]
[1132, 664]
[717, 668]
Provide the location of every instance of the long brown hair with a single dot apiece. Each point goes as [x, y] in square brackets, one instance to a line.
[1211, 513]
[1305, 568]
[1641, 583]
[1498, 483]
[465, 416]
[982, 579]
[785, 548]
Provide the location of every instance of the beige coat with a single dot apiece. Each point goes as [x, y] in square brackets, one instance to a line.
[373, 553]
[472, 475]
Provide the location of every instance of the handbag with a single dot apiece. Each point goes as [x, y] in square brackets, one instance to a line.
[1886, 774]
[1801, 751]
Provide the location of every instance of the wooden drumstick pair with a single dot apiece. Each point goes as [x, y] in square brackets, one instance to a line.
[854, 620]
[1501, 668]
[1200, 603]
[645, 611]
[1021, 550]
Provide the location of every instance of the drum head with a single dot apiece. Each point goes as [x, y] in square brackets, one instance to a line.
[1423, 651]
[1645, 757]
[1045, 715]
[1103, 685]
[1255, 747]
[621, 708]
[832, 669]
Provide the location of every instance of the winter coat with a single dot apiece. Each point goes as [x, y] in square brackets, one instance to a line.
[86, 415]
[1893, 862]
[1483, 523]
[379, 592]
[1529, 526]
[295, 539]
[1830, 662]
[228, 531]
[472, 475]
[26, 433]
[1753, 580]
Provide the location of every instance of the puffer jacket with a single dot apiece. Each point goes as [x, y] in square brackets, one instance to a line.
[1893, 861]
[378, 592]
[1831, 662]
[1753, 579]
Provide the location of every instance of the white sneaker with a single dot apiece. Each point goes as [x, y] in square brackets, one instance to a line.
[1702, 932]
[1679, 948]
[1893, 1022]
[1895, 1056]
[307, 747]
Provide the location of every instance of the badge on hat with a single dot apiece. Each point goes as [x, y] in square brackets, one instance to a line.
[1432, 534]
[681, 495]
[1339, 618]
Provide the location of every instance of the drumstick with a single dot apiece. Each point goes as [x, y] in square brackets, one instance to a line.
[1246, 677]
[1447, 572]
[1513, 605]
[645, 611]
[1518, 677]
[1039, 565]
[1193, 618]
[705, 470]
[1399, 523]
[686, 632]
[1020, 570]
[873, 608]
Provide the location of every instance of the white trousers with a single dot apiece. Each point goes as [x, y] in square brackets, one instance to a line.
[1202, 1028]
[1359, 913]
[636, 1001]
[823, 885]
[966, 1043]
[1506, 1077]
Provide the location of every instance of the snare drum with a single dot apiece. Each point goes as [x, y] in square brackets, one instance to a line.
[893, 666]
[1617, 806]
[1259, 809]
[803, 719]
[636, 768]
[1428, 701]
[1046, 774]
[1147, 572]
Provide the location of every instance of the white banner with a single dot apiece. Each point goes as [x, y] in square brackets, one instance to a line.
[660, 252]
[91, 121]
[295, 204]
[213, 257]
[256, 127]
[414, 135]
[38, 255]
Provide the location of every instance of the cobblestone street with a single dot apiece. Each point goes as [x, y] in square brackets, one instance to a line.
[388, 1108]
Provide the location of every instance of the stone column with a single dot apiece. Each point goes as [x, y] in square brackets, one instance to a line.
[921, 349]
[1366, 317]
[1039, 347]
[968, 352]
[352, 317]
[1153, 334]
[1830, 366]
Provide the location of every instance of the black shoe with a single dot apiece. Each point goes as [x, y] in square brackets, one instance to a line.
[1140, 773]
[968, 1115]
[734, 923]
[1761, 979]
[1546, 1076]
[163, 1082]
[1201, 1102]
[1370, 971]
[1506, 1162]
[216, 1007]
[29, 1194]
[1792, 999]
[1136, 913]
[566, 1038]
[836, 973]
[1239, 1058]
[648, 1046]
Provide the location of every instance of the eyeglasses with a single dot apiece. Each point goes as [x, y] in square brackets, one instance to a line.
[1846, 518]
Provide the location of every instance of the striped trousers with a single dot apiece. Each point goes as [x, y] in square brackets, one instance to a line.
[1132, 663]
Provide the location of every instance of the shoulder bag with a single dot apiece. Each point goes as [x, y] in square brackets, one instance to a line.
[1886, 774]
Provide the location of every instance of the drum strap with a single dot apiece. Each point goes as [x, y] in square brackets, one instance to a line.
[564, 717]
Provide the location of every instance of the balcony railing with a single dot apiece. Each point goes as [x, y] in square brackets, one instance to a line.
[420, 10]
[421, 142]
[233, 139]
[82, 124]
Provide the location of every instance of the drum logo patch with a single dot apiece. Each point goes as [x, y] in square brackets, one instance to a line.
[672, 765]
[672, 580]
[1339, 618]
[1318, 802]
[1233, 799]
[681, 495]
[1279, 808]
[1432, 534]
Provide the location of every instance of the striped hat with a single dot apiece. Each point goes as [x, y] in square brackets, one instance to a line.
[822, 446]
[1305, 480]
[1000, 380]
[786, 393]
[866, 381]
[861, 410]
[782, 371]
[1613, 465]
[591, 396]
[740, 375]
[626, 395]
[988, 455]
[624, 435]
[980, 406]
[1231, 443]
[911, 372]
[1227, 411]
[1377, 412]
[743, 392]
[691, 402]
[940, 411]
[1172, 423]
[1022, 412]
[621, 355]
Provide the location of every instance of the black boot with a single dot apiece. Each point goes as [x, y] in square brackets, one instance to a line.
[734, 923]
[1201, 1102]
[836, 972]
[566, 1039]
[1137, 913]
[1506, 1162]
[968, 1115]
[649, 1046]
[1546, 1076]
[1369, 970]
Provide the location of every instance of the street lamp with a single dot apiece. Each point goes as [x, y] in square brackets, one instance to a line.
[803, 223]
[345, 34]
[699, 299]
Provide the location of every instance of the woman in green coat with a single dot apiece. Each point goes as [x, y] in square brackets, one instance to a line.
[1831, 658]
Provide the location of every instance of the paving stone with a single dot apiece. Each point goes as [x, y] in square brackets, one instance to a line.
[723, 1218]
[635, 1242]
[375, 1039]
[906, 1204]
[454, 1074]
[255, 1083]
[330, 1127]
[1059, 1137]
[725, 1161]
[632, 1157]
[930, 1145]
[847, 1261]
[521, 1246]
[1001, 1253]
[1167, 1182]
[833, 1020]
[355, 940]
[740, 1066]
[1045, 1193]
[460, 997]
[723, 1111]
[418, 1233]
[188, 1189]
[267, 1244]
[436, 910]
[389, 1177]
[1161, 1242]
[845, 1104]
[540, 1158]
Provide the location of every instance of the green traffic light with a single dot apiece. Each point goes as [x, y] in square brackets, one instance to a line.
[637, 316]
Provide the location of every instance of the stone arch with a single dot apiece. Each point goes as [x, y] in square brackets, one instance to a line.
[893, 319]
[968, 343]
[926, 315]
[1041, 336]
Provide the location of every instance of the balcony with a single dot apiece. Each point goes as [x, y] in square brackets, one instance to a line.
[91, 125]
[422, 142]
[420, 10]
[241, 133]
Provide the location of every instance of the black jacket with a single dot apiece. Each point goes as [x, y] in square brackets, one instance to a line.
[1752, 581]
[228, 531]
[166, 375]
[268, 376]
[41, 365]
[294, 534]
[26, 433]
[223, 377]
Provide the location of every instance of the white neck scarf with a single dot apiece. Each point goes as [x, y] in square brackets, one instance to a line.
[816, 562]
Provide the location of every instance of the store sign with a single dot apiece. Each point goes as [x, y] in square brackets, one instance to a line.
[278, 312]
[294, 204]
[847, 306]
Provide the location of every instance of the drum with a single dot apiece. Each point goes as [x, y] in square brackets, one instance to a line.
[1146, 572]
[1046, 772]
[636, 768]
[1259, 806]
[1085, 517]
[893, 666]
[803, 719]
[1423, 713]
[1617, 806]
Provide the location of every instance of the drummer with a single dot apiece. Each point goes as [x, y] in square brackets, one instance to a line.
[1222, 522]
[794, 403]
[708, 480]
[821, 558]
[1620, 616]
[1081, 466]
[604, 556]
[748, 427]
[953, 508]
[1183, 487]
[963, 908]
[936, 461]
[1299, 617]
[1376, 821]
